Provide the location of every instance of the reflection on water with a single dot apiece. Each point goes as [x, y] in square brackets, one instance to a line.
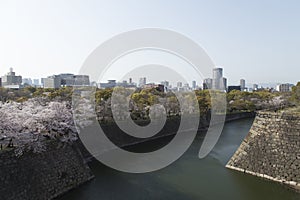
[187, 178]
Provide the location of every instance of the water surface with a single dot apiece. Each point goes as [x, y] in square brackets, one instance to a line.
[187, 178]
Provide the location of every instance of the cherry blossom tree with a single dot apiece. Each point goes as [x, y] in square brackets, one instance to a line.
[25, 125]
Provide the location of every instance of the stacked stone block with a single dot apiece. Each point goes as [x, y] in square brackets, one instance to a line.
[43, 175]
[271, 149]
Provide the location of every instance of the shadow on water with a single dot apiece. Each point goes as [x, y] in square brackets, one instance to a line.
[188, 178]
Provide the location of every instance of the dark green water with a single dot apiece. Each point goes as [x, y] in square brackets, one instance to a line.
[187, 178]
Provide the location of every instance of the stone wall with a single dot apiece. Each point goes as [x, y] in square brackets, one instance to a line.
[271, 149]
[43, 175]
[123, 140]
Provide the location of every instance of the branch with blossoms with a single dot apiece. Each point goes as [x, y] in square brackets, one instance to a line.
[25, 125]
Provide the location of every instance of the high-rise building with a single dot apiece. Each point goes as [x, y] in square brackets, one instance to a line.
[81, 80]
[165, 83]
[52, 82]
[194, 85]
[223, 84]
[287, 87]
[36, 82]
[142, 81]
[207, 83]
[186, 87]
[26, 81]
[179, 84]
[10, 79]
[255, 87]
[74, 80]
[65, 80]
[217, 78]
[243, 84]
[218, 82]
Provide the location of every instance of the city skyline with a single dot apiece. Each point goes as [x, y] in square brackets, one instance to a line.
[249, 83]
[216, 82]
[44, 38]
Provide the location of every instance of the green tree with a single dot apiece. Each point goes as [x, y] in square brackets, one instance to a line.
[296, 94]
[103, 95]
[204, 100]
[3, 94]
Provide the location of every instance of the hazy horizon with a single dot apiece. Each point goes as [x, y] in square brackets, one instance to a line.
[257, 41]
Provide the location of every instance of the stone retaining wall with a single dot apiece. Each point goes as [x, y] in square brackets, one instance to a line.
[271, 149]
[43, 175]
[121, 139]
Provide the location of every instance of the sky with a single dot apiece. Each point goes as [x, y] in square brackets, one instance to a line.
[256, 40]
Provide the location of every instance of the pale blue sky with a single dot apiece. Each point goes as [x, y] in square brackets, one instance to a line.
[257, 40]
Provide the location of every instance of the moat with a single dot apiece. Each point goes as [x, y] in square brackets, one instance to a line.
[187, 178]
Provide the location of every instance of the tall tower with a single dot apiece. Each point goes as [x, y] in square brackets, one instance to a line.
[223, 83]
[243, 84]
[194, 85]
[217, 78]
[207, 83]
